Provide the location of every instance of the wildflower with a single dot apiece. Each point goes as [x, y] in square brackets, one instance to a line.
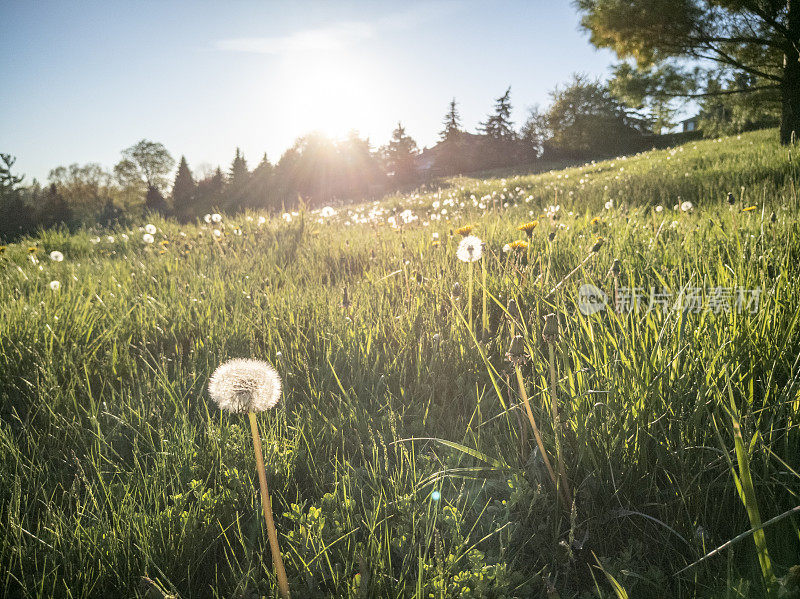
[245, 385]
[110, 238]
[56, 256]
[327, 211]
[55, 285]
[609, 204]
[595, 221]
[470, 249]
[216, 218]
[150, 229]
[287, 217]
[529, 227]
[519, 245]
[659, 208]
[506, 248]
[164, 242]
[2, 249]
[147, 238]
[262, 220]
[598, 244]
[748, 209]
[32, 249]
[465, 230]
[217, 233]
[207, 218]
[687, 206]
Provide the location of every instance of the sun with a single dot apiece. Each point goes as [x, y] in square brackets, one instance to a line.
[332, 92]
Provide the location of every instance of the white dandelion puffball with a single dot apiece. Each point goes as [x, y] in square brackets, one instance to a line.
[147, 238]
[207, 218]
[216, 218]
[56, 256]
[659, 208]
[609, 204]
[470, 249]
[151, 229]
[217, 233]
[55, 285]
[261, 220]
[245, 385]
[687, 206]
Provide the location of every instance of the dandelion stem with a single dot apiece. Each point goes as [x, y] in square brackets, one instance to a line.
[485, 319]
[537, 436]
[469, 296]
[283, 583]
[557, 424]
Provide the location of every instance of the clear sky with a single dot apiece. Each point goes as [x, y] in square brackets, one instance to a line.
[80, 81]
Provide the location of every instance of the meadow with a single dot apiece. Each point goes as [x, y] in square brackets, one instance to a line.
[401, 458]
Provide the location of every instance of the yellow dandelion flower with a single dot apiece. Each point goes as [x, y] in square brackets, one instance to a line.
[518, 245]
[435, 243]
[595, 221]
[748, 209]
[529, 227]
[598, 244]
[2, 249]
[465, 230]
[32, 249]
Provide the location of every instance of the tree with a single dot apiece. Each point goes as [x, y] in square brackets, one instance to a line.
[15, 219]
[238, 182]
[55, 210]
[757, 37]
[262, 184]
[498, 126]
[452, 123]
[84, 188]
[400, 157]
[145, 165]
[534, 132]
[585, 121]
[184, 193]
[210, 190]
[154, 201]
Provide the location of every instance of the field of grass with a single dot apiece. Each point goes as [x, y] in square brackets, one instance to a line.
[401, 458]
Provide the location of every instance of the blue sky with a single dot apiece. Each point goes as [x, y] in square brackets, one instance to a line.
[83, 80]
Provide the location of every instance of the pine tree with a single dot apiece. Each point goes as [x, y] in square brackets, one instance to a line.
[400, 157]
[184, 193]
[262, 184]
[452, 123]
[238, 183]
[154, 201]
[499, 125]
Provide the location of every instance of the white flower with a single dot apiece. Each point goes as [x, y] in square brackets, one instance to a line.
[506, 248]
[609, 204]
[262, 220]
[55, 285]
[216, 218]
[151, 229]
[124, 237]
[56, 256]
[687, 206]
[245, 385]
[673, 224]
[327, 211]
[217, 233]
[147, 238]
[207, 218]
[110, 238]
[287, 217]
[659, 208]
[470, 249]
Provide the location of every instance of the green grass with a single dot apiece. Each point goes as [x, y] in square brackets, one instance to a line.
[117, 466]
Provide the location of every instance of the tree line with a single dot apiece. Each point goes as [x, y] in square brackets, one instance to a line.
[586, 119]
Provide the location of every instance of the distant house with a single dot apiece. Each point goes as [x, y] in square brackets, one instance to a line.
[690, 124]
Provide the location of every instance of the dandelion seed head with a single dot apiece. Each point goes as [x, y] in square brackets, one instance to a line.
[207, 218]
[470, 249]
[245, 385]
[55, 285]
[686, 206]
[147, 238]
[151, 229]
[216, 218]
[56, 256]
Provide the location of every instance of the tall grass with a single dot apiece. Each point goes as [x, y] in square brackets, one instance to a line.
[399, 460]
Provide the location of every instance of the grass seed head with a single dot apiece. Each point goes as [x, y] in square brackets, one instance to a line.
[245, 385]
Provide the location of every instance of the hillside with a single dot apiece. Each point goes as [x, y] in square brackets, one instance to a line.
[400, 458]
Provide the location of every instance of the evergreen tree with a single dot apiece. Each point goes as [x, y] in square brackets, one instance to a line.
[262, 183]
[452, 123]
[15, 218]
[184, 193]
[210, 192]
[154, 201]
[238, 183]
[400, 157]
[498, 126]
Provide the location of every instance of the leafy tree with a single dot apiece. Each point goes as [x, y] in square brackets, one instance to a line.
[111, 214]
[400, 157]
[726, 114]
[145, 165]
[210, 190]
[498, 126]
[726, 37]
[534, 132]
[84, 188]
[154, 201]
[54, 210]
[184, 193]
[584, 121]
